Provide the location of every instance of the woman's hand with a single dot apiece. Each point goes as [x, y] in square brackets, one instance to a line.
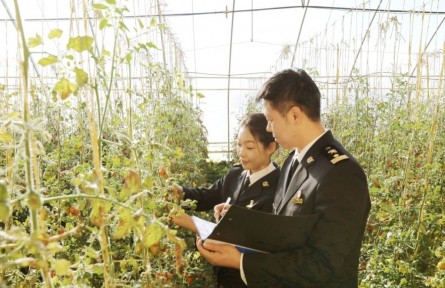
[220, 210]
[177, 193]
[184, 220]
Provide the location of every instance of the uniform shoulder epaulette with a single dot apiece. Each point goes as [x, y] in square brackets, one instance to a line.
[333, 154]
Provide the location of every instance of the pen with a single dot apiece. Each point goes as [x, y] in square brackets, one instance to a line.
[225, 205]
[227, 202]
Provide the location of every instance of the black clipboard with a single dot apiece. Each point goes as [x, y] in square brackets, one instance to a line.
[257, 231]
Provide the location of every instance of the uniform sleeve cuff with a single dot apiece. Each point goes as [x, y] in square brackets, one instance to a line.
[243, 276]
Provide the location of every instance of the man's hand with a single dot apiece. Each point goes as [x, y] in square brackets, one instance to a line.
[219, 254]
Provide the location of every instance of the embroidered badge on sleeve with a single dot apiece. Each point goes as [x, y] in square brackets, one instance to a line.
[334, 155]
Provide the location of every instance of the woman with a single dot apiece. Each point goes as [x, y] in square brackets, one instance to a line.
[252, 183]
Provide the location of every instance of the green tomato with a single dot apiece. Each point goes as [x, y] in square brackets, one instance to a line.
[34, 201]
[5, 210]
[3, 191]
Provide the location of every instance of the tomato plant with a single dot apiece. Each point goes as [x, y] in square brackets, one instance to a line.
[83, 198]
[89, 159]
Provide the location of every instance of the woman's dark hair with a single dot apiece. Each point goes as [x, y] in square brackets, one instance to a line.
[257, 123]
[289, 88]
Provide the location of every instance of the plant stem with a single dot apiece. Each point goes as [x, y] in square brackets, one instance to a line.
[88, 196]
[104, 239]
[29, 144]
[429, 157]
[107, 95]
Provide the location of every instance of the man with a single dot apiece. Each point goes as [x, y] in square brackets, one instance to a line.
[325, 179]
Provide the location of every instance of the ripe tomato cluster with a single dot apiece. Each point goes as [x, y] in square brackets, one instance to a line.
[73, 211]
[163, 173]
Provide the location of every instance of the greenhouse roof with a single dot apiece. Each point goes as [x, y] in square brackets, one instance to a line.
[226, 56]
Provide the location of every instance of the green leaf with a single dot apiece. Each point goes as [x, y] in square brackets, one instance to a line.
[45, 61]
[103, 23]
[111, 2]
[14, 115]
[200, 95]
[99, 6]
[141, 25]
[35, 41]
[55, 33]
[152, 234]
[91, 253]
[152, 45]
[122, 26]
[178, 152]
[128, 57]
[81, 76]
[61, 266]
[346, 133]
[80, 43]
[132, 185]
[153, 21]
[116, 161]
[99, 209]
[5, 137]
[64, 88]
[125, 225]
[148, 183]
[97, 268]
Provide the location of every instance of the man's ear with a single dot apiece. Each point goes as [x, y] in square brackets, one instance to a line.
[295, 113]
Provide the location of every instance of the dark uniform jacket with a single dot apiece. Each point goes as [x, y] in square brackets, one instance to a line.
[330, 182]
[259, 196]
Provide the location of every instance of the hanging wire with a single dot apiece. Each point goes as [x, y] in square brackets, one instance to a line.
[324, 36]
[364, 38]
[428, 44]
[15, 26]
[251, 26]
[299, 33]
[194, 53]
[228, 84]
[6, 55]
[331, 8]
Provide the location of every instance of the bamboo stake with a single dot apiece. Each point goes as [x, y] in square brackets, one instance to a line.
[413, 112]
[98, 177]
[433, 133]
[32, 193]
[97, 168]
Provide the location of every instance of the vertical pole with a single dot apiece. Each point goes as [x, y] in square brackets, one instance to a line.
[228, 85]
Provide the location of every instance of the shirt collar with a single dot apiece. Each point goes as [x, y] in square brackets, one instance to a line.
[260, 174]
[300, 155]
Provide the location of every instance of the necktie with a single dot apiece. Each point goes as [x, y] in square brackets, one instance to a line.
[246, 184]
[292, 169]
[243, 188]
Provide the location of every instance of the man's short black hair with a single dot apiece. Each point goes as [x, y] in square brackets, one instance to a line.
[289, 88]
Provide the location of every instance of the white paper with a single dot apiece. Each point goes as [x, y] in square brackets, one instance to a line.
[204, 227]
